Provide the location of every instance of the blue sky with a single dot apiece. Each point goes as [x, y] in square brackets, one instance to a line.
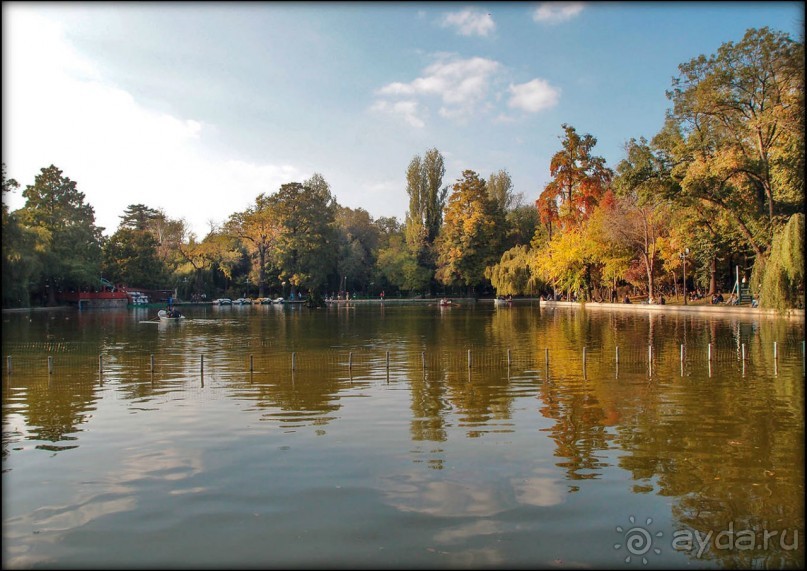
[196, 108]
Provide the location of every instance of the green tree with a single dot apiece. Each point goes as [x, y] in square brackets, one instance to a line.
[782, 280]
[465, 245]
[21, 263]
[130, 257]
[511, 275]
[138, 217]
[56, 209]
[358, 239]
[424, 179]
[305, 249]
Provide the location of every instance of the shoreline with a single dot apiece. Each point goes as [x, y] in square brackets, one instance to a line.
[670, 308]
[697, 309]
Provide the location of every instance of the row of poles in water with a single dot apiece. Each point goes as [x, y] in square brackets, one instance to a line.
[470, 360]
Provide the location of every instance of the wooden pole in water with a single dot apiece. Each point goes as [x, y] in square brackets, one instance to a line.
[202, 364]
[508, 357]
[251, 368]
[152, 362]
[709, 355]
[387, 360]
[350, 360]
[775, 352]
[469, 358]
[743, 347]
[649, 353]
[682, 352]
[50, 365]
[100, 363]
[617, 355]
[584, 362]
[546, 355]
[8, 359]
[293, 360]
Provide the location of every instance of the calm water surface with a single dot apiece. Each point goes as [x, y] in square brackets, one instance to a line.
[383, 448]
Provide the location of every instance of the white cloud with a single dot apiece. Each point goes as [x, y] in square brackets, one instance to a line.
[461, 85]
[58, 110]
[470, 22]
[533, 96]
[556, 12]
[407, 110]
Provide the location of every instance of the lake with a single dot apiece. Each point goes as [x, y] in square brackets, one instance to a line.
[402, 436]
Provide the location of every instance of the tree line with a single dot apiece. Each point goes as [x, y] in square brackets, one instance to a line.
[721, 185]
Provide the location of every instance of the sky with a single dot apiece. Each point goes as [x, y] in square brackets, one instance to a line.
[197, 108]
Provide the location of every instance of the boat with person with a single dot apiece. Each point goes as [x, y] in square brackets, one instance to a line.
[170, 315]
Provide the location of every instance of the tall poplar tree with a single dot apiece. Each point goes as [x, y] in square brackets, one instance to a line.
[427, 196]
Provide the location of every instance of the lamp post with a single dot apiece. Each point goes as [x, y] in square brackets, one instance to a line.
[683, 256]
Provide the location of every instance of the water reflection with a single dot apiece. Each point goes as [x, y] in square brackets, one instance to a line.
[486, 450]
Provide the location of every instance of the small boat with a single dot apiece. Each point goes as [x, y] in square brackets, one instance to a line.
[242, 301]
[278, 300]
[172, 315]
[223, 301]
[446, 302]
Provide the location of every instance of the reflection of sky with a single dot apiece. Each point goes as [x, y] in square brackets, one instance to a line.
[106, 495]
[447, 498]
[480, 501]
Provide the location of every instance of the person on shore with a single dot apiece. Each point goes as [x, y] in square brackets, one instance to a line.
[627, 299]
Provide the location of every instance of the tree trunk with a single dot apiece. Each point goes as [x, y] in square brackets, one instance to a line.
[712, 276]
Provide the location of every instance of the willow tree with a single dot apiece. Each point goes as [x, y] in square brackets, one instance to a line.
[782, 274]
[511, 275]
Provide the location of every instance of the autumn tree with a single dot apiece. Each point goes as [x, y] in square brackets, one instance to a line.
[257, 228]
[465, 245]
[639, 217]
[579, 179]
[739, 117]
